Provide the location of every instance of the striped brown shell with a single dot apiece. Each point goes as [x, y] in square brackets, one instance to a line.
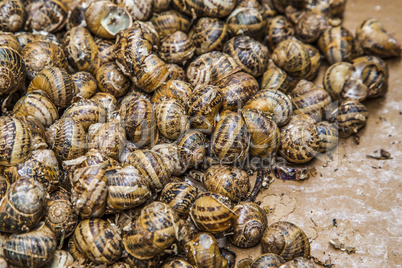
[86, 112]
[169, 22]
[12, 72]
[309, 24]
[176, 48]
[89, 191]
[178, 263]
[60, 215]
[263, 131]
[57, 84]
[98, 241]
[208, 8]
[109, 138]
[61, 258]
[236, 90]
[209, 34]
[175, 72]
[151, 74]
[375, 40]
[106, 50]
[174, 89]
[230, 140]
[275, 78]
[39, 55]
[180, 196]
[286, 240]
[152, 232]
[335, 79]
[228, 181]
[31, 249]
[338, 44]
[15, 141]
[112, 80]
[210, 68]
[171, 118]
[191, 148]
[328, 135]
[299, 139]
[12, 16]
[127, 189]
[152, 166]
[85, 83]
[212, 212]
[23, 206]
[272, 102]
[25, 38]
[205, 103]
[350, 116]
[279, 28]
[38, 135]
[160, 5]
[107, 100]
[203, 252]
[9, 40]
[249, 226]
[46, 15]
[67, 139]
[251, 55]
[139, 9]
[268, 260]
[293, 57]
[81, 50]
[170, 152]
[310, 99]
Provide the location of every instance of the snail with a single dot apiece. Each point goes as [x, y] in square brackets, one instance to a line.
[39, 55]
[299, 139]
[328, 136]
[179, 196]
[38, 135]
[89, 191]
[212, 212]
[198, 8]
[175, 72]
[169, 22]
[250, 55]
[170, 152]
[151, 74]
[12, 16]
[107, 100]
[230, 140]
[10, 40]
[127, 189]
[46, 15]
[12, 71]
[85, 83]
[111, 79]
[30, 249]
[139, 10]
[178, 263]
[176, 89]
[236, 90]
[98, 241]
[228, 181]
[67, 139]
[86, 112]
[268, 260]
[171, 118]
[61, 258]
[275, 78]
[106, 50]
[279, 29]
[143, 242]
[191, 148]
[60, 215]
[335, 78]
[109, 138]
[160, 5]
[105, 19]
[286, 240]
[205, 103]
[23, 206]
[176, 48]
[375, 40]
[299, 263]
[25, 38]
[209, 34]
[15, 138]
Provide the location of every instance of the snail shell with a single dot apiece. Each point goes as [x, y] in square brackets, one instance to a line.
[315, 59]
[328, 135]
[107, 100]
[177, 264]
[25, 38]
[229, 181]
[143, 242]
[230, 140]
[179, 196]
[61, 258]
[12, 72]
[60, 215]
[23, 206]
[275, 78]
[211, 8]
[151, 74]
[251, 55]
[9, 40]
[89, 191]
[15, 141]
[85, 83]
[307, 98]
[152, 166]
[212, 212]
[336, 77]
[205, 104]
[175, 89]
[31, 249]
[98, 241]
[272, 102]
[338, 44]
[176, 48]
[138, 9]
[175, 72]
[299, 139]
[67, 139]
[160, 5]
[12, 16]
[268, 260]
[38, 139]
[203, 252]
[375, 40]
[236, 90]
[209, 34]
[171, 118]
[127, 189]
[350, 117]
[112, 80]
[109, 138]
[309, 24]
[299, 263]
[86, 112]
[286, 240]
[170, 152]
[279, 29]
[105, 19]
[46, 15]
[191, 148]
[106, 51]
[263, 131]
[39, 55]
[169, 22]
[57, 84]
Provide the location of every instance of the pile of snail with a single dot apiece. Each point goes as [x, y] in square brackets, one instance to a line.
[124, 124]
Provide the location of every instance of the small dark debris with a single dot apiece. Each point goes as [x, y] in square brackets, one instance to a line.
[400, 112]
[327, 263]
[357, 139]
[294, 173]
[334, 223]
[384, 155]
[338, 245]
[335, 170]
